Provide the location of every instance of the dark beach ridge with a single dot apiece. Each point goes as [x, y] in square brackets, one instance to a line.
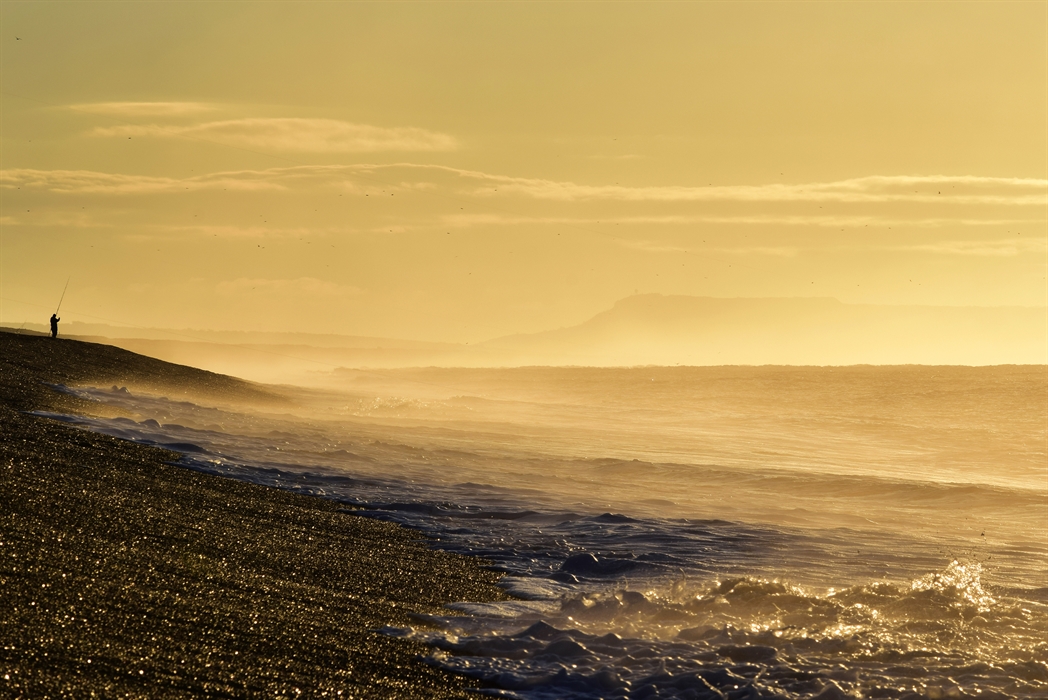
[122, 575]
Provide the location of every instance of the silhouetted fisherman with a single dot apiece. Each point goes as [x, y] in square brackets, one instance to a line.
[54, 325]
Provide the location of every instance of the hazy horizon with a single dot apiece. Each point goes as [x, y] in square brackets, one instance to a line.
[127, 330]
[641, 330]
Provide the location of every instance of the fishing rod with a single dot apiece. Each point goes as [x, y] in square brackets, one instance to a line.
[63, 295]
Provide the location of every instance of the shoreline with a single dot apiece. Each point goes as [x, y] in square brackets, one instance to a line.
[124, 574]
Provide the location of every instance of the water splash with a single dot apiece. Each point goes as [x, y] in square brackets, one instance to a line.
[940, 636]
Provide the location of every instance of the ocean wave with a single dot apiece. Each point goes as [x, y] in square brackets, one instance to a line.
[709, 551]
[942, 635]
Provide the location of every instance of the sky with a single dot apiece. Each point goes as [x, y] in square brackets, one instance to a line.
[458, 171]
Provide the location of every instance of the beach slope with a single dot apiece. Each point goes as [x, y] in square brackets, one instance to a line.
[123, 575]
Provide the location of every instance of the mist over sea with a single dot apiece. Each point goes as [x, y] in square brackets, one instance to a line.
[687, 532]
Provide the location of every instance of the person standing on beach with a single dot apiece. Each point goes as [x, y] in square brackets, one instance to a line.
[54, 325]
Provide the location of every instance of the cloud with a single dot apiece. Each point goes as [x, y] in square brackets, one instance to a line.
[94, 182]
[926, 189]
[145, 109]
[283, 179]
[988, 248]
[301, 286]
[936, 189]
[153, 231]
[447, 181]
[56, 219]
[625, 156]
[829, 221]
[292, 134]
[983, 248]
[653, 247]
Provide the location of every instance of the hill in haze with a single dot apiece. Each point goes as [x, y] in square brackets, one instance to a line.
[667, 330]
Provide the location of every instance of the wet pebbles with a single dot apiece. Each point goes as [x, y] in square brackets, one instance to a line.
[124, 576]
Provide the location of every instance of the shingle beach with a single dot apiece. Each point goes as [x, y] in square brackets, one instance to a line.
[123, 575]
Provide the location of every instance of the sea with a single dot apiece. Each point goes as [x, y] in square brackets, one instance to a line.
[683, 532]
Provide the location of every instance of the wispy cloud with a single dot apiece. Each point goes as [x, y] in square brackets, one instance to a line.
[94, 182]
[988, 248]
[927, 189]
[944, 190]
[624, 156]
[55, 218]
[655, 247]
[293, 134]
[152, 231]
[309, 286]
[982, 248]
[937, 189]
[145, 109]
[465, 220]
[344, 178]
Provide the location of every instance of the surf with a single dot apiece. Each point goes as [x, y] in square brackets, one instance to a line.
[675, 532]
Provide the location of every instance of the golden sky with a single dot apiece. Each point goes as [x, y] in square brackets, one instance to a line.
[459, 171]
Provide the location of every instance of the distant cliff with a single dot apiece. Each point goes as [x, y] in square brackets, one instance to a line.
[657, 329]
